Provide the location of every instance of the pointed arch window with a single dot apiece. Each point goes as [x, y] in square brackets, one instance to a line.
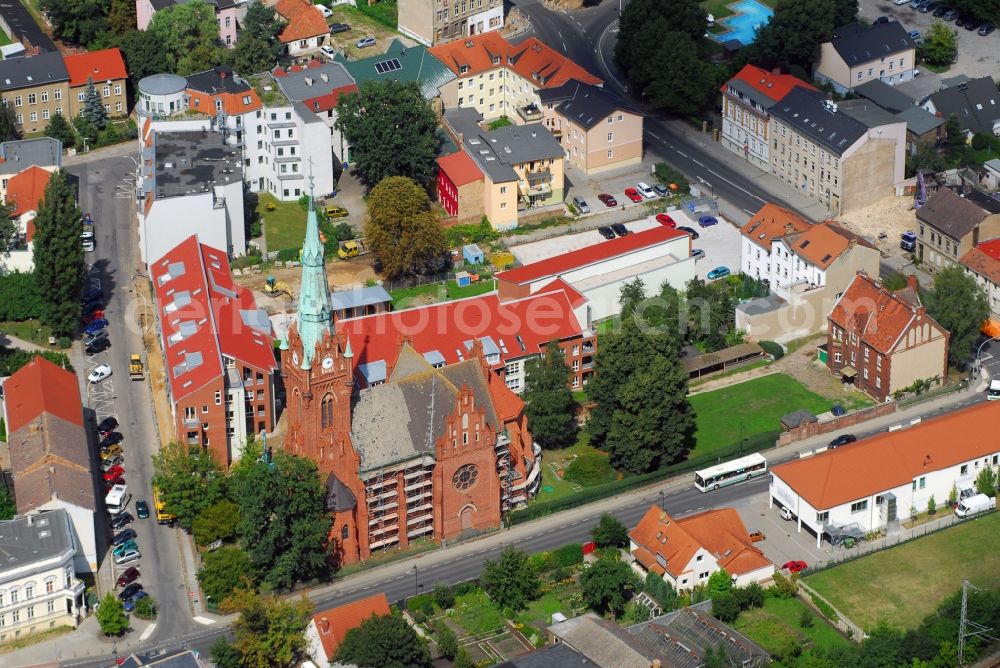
[326, 411]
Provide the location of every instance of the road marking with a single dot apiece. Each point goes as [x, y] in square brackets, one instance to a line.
[697, 163]
[748, 212]
[653, 134]
[204, 620]
[683, 155]
[148, 632]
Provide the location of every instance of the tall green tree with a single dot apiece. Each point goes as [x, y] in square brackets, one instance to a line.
[225, 655]
[387, 642]
[960, 306]
[510, 581]
[283, 520]
[270, 631]
[251, 54]
[217, 522]
[111, 615]
[793, 36]
[607, 584]
[986, 481]
[719, 581]
[685, 83]
[9, 131]
[643, 24]
[79, 22]
[609, 532]
[223, 571]
[392, 131]
[145, 54]
[121, 16]
[59, 128]
[189, 480]
[549, 403]
[940, 44]
[258, 47]
[10, 232]
[93, 107]
[403, 233]
[183, 30]
[58, 255]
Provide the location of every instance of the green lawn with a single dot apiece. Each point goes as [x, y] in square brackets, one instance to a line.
[4, 38]
[775, 625]
[285, 227]
[555, 487]
[906, 583]
[28, 330]
[476, 613]
[757, 405]
[436, 292]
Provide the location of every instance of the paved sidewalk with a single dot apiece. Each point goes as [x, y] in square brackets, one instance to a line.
[129, 148]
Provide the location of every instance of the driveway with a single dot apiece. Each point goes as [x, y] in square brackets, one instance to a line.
[784, 542]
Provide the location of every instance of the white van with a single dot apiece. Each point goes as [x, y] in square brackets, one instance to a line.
[974, 505]
[993, 393]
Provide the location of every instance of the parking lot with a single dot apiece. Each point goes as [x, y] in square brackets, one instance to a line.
[783, 541]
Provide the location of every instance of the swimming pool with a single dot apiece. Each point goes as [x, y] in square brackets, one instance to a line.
[743, 23]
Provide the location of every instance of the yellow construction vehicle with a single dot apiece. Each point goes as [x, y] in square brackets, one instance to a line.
[136, 371]
[274, 287]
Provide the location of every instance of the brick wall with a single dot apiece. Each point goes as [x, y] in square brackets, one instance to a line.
[816, 428]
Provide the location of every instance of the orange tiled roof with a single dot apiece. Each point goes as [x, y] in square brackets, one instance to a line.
[532, 59]
[304, 20]
[771, 222]
[101, 66]
[506, 403]
[333, 624]
[40, 387]
[460, 168]
[877, 316]
[26, 189]
[823, 243]
[984, 259]
[771, 85]
[720, 532]
[893, 459]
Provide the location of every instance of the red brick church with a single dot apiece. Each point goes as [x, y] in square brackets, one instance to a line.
[435, 451]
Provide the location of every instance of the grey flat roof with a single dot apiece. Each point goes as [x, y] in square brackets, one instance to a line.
[496, 151]
[23, 27]
[807, 112]
[919, 121]
[162, 84]
[888, 97]
[220, 79]
[35, 538]
[24, 72]
[867, 112]
[309, 83]
[193, 162]
[761, 305]
[24, 153]
[366, 296]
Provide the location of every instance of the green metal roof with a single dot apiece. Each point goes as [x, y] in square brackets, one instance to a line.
[315, 312]
[402, 63]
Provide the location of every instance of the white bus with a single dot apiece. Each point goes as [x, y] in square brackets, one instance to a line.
[729, 473]
[117, 499]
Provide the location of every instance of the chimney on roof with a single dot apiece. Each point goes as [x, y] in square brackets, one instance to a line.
[324, 624]
[911, 282]
[776, 71]
[789, 228]
[222, 74]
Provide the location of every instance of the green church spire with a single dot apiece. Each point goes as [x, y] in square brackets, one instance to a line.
[315, 312]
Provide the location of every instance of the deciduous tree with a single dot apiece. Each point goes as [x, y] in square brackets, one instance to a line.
[960, 306]
[402, 231]
[685, 83]
[940, 44]
[186, 29]
[793, 36]
[606, 585]
[641, 44]
[270, 631]
[447, 641]
[251, 54]
[260, 27]
[77, 21]
[510, 581]
[392, 131]
[986, 481]
[384, 641]
[111, 615]
[549, 403]
[59, 128]
[719, 581]
[58, 255]
[225, 655]
[610, 532]
[223, 571]
[8, 124]
[7, 506]
[10, 231]
[725, 607]
[145, 54]
[217, 522]
[121, 16]
[189, 480]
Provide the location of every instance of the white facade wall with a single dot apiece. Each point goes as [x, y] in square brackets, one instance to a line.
[788, 268]
[281, 150]
[603, 301]
[488, 21]
[82, 524]
[991, 289]
[314, 647]
[301, 46]
[216, 217]
[755, 261]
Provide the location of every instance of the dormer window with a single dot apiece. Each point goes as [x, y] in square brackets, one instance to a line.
[463, 69]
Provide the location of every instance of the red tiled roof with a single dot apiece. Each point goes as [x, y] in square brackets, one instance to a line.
[304, 20]
[39, 387]
[892, 459]
[199, 328]
[333, 624]
[719, 532]
[521, 326]
[984, 262]
[531, 59]
[771, 222]
[823, 243]
[877, 316]
[773, 86]
[560, 264]
[26, 189]
[101, 66]
[329, 100]
[460, 168]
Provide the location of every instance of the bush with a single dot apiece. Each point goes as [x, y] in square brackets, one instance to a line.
[773, 349]
[806, 618]
[825, 608]
[444, 596]
[783, 587]
[725, 608]
[19, 298]
[568, 555]
[145, 608]
[590, 468]
[543, 562]
[447, 642]
[560, 574]
[288, 255]
[419, 617]
[415, 603]
[667, 175]
[980, 141]
[463, 588]
[751, 596]
[660, 591]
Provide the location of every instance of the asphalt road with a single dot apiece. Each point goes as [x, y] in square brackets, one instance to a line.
[104, 193]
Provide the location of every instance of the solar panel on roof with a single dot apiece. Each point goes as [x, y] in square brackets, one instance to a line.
[386, 66]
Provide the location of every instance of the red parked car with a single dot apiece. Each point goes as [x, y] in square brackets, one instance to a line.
[664, 219]
[114, 472]
[633, 194]
[128, 576]
[607, 199]
[795, 566]
[108, 484]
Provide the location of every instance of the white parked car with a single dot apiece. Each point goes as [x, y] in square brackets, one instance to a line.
[365, 42]
[645, 190]
[325, 11]
[127, 556]
[327, 51]
[99, 373]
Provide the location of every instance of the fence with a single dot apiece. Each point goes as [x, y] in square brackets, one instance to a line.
[598, 492]
[933, 394]
[591, 222]
[818, 602]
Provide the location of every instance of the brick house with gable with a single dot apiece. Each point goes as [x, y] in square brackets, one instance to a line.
[884, 341]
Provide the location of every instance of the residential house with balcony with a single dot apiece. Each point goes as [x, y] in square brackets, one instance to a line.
[882, 341]
[305, 28]
[433, 22]
[50, 460]
[229, 14]
[36, 87]
[974, 102]
[218, 355]
[858, 54]
[23, 193]
[882, 480]
[746, 100]
[106, 69]
[769, 223]
[522, 166]
[39, 587]
[497, 78]
[831, 157]
[318, 86]
[949, 226]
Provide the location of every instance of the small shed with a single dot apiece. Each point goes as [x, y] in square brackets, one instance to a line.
[473, 254]
[797, 419]
[463, 279]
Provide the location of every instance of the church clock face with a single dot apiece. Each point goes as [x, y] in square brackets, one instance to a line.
[295, 358]
[327, 363]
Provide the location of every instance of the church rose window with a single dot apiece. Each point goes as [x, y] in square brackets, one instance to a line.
[465, 477]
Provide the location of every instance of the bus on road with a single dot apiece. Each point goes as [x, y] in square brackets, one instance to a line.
[162, 516]
[729, 473]
[117, 499]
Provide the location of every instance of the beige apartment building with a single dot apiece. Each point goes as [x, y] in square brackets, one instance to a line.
[597, 128]
[831, 157]
[949, 226]
[106, 69]
[433, 22]
[858, 54]
[36, 87]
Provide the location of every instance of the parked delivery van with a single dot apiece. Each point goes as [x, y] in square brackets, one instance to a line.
[994, 392]
[974, 505]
